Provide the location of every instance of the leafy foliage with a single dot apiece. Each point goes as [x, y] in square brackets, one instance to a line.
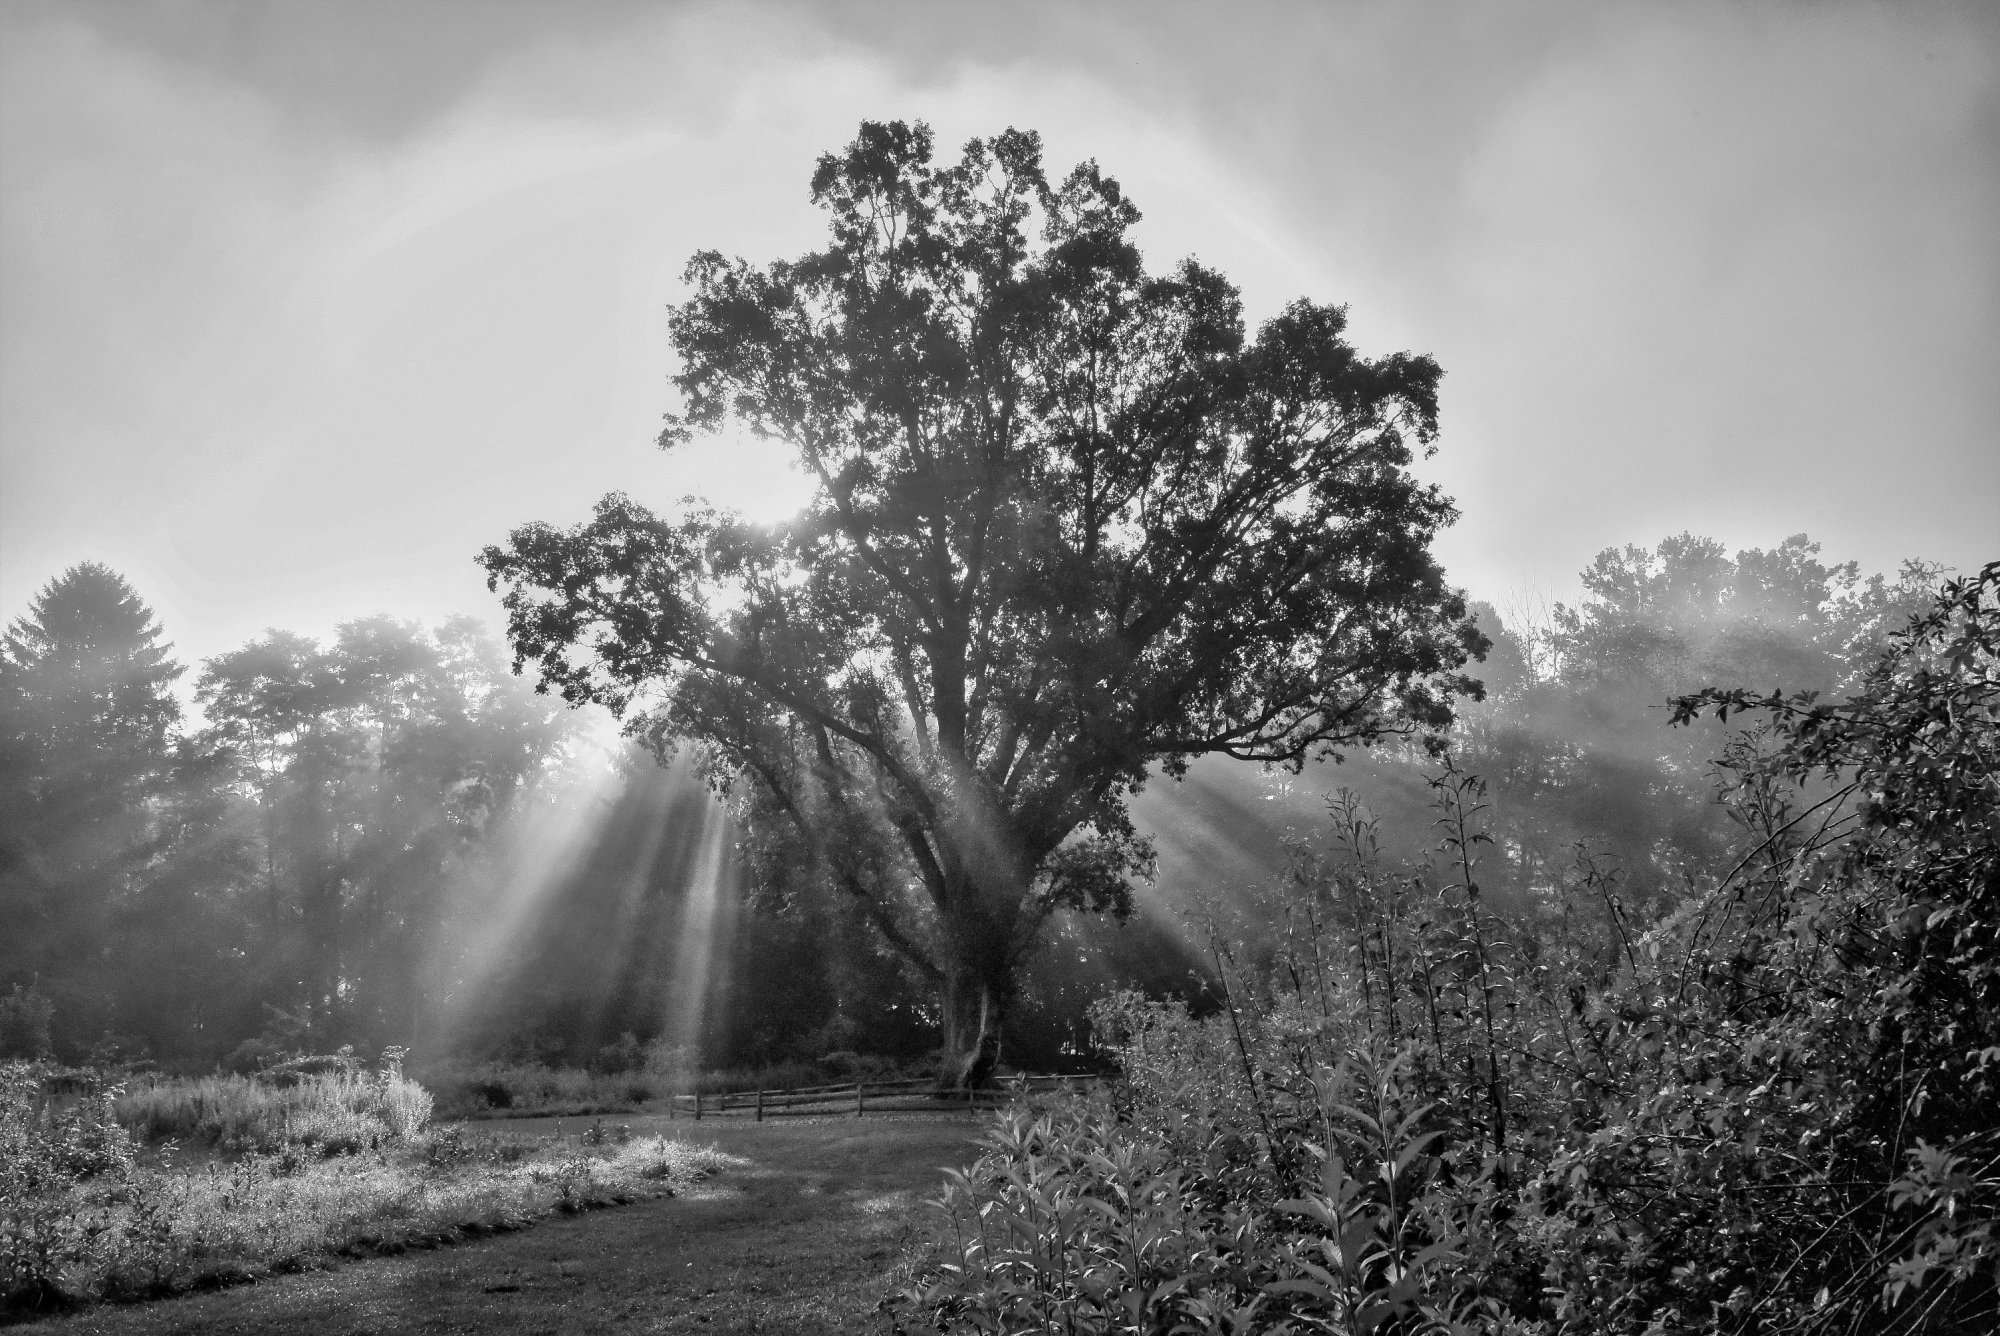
[1770, 1107]
[1574, 739]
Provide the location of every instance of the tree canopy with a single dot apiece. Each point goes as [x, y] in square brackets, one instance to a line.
[1070, 522]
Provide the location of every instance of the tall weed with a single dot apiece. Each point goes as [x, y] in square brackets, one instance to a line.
[336, 1112]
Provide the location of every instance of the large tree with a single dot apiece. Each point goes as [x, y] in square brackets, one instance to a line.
[1070, 523]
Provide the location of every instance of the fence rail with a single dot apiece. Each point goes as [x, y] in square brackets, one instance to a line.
[920, 1095]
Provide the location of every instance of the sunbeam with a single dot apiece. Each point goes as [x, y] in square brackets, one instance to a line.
[501, 912]
[706, 917]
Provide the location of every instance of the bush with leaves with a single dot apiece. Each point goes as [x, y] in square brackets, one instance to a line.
[53, 1143]
[1087, 1218]
[1771, 1107]
[1813, 1145]
[1326, 1151]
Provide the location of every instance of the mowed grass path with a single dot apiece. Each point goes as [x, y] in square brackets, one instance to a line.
[804, 1239]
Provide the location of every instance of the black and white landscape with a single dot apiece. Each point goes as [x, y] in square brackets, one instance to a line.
[1025, 668]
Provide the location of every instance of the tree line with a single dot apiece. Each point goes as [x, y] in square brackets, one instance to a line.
[312, 857]
[297, 870]
[281, 875]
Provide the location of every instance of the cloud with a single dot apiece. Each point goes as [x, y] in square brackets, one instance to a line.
[1735, 280]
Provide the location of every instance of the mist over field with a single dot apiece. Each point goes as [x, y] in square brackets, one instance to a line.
[1402, 587]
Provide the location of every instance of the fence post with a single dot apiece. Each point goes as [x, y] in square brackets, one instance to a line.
[858, 1106]
[760, 1106]
[697, 1105]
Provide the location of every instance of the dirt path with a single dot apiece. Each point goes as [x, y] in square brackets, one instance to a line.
[801, 1241]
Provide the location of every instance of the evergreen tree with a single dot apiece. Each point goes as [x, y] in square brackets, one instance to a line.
[87, 721]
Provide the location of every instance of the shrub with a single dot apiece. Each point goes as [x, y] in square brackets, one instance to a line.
[1771, 1108]
[597, 1134]
[51, 1148]
[1082, 1220]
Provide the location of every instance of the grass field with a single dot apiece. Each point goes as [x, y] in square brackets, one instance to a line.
[804, 1238]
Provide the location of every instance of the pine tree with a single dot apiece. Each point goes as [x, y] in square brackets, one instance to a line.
[87, 723]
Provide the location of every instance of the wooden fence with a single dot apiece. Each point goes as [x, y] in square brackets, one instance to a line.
[863, 1097]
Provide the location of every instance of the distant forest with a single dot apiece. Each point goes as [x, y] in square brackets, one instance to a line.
[391, 839]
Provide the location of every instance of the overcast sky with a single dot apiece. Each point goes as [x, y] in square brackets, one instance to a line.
[302, 304]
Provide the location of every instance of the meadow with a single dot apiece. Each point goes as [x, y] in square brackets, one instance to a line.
[176, 1185]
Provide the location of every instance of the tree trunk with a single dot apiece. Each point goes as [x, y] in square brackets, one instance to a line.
[975, 1007]
[987, 879]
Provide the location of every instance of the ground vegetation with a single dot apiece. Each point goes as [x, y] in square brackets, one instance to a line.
[112, 1194]
[1766, 1106]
